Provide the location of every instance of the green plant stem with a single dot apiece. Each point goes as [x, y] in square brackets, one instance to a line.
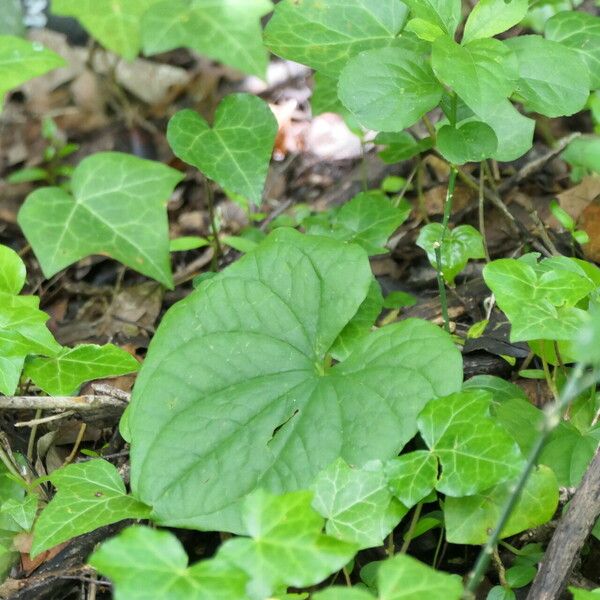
[499, 567]
[411, 528]
[575, 384]
[448, 202]
[481, 211]
[438, 547]
[210, 199]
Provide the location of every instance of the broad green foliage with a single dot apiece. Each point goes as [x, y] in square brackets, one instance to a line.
[389, 89]
[22, 60]
[248, 382]
[553, 80]
[368, 220]
[403, 578]
[459, 245]
[469, 519]
[444, 14]
[236, 151]
[357, 503]
[12, 271]
[114, 23]
[145, 563]
[325, 35]
[581, 32]
[227, 30]
[89, 495]
[490, 17]
[64, 373]
[469, 142]
[412, 476]
[540, 298]
[286, 546]
[117, 208]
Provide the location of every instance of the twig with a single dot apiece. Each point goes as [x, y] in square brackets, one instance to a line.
[75, 403]
[36, 422]
[283, 206]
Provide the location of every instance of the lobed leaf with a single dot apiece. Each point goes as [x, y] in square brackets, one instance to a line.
[412, 476]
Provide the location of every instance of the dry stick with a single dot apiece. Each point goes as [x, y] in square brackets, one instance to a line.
[41, 421]
[570, 535]
[75, 403]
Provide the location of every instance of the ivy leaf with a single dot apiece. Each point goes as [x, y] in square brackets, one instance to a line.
[226, 30]
[286, 413]
[22, 60]
[118, 197]
[114, 23]
[89, 495]
[389, 89]
[325, 36]
[475, 452]
[236, 151]
[367, 220]
[460, 244]
[491, 17]
[64, 373]
[286, 546]
[553, 80]
[146, 563]
[21, 511]
[579, 31]
[357, 503]
[412, 476]
[446, 14]
[12, 271]
[469, 519]
[470, 142]
[539, 305]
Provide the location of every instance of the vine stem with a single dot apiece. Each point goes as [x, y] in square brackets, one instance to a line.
[210, 198]
[575, 384]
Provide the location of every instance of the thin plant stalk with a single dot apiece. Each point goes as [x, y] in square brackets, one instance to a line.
[411, 528]
[481, 211]
[575, 385]
[210, 199]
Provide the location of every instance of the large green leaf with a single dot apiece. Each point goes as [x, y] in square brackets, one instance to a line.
[475, 453]
[490, 17]
[226, 30]
[145, 563]
[325, 35]
[446, 14]
[239, 371]
[357, 503]
[286, 546]
[114, 23]
[12, 271]
[89, 495]
[470, 142]
[236, 151]
[581, 32]
[64, 373]
[412, 476]
[469, 519]
[22, 60]
[389, 89]
[553, 79]
[117, 208]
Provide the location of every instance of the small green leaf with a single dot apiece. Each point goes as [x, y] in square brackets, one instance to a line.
[520, 575]
[412, 476]
[470, 142]
[491, 17]
[357, 504]
[64, 373]
[584, 153]
[226, 30]
[424, 30]
[286, 546]
[12, 271]
[401, 146]
[190, 242]
[399, 300]
[553, 79]
[460, 244]
[145, 563]
[114, 23]
[562, 216]
[325, 35]
[475, 452]
[22, 60]
[470, 519]
[324, 98]
[587, 347]
[22, 511]
[581, 32]
[500, 593]
[27, 175]
[585, 594]
[236, 151]
[389, 89]
[446, 14]
[89, 495]
[117, 208]
[241, 244]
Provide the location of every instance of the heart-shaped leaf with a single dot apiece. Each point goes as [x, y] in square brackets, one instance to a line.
[412, 476]
[389, 89]
[227, 30]
[22, 60]
[581, 32]
[324, 35]
[491, 17]
[470, 142]
[64, 373]
[236, 151]
[249, 382]
[117, 208]
[12, 271]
